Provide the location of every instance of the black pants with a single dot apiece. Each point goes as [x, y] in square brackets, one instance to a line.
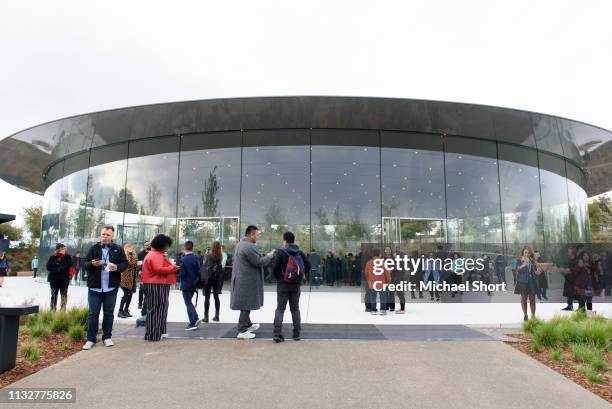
[140, 296]
[215, 287]
[126, 300]
[402, 299]
[35, 270]
[157, 310]
[291, 293]
[62, 287]
[244, 320]
[586, 301]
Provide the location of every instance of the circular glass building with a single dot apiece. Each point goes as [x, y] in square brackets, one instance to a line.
[337, 171]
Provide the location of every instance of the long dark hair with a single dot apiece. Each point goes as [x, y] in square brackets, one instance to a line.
[216, 250]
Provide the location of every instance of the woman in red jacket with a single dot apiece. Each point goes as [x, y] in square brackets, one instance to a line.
[158, 273]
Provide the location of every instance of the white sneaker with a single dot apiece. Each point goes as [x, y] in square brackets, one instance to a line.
[164, 336]
[198, 322]
[108, 342]
[246, 335]
[253, 327]
[88, 345]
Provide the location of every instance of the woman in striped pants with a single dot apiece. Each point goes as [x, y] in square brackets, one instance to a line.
[158, 274]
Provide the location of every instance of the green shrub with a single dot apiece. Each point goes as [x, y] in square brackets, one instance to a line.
[599, 365]
[76, 332]
[61, 322]
[530, 326]
[583, 369]
[45, 317]
[547, 335]
[78, 316]
[25, 330]
[65, 346]
[593, 332]
[40, 330]
[567, 330]
[595, 377]
[579, 315]
[30, 351]
[555, 355]
[585, 352]
[536, 347]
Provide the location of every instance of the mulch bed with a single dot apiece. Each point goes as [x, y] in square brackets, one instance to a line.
[51, 351]
[565, 366]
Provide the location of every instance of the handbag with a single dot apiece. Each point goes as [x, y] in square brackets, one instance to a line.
[72, 272]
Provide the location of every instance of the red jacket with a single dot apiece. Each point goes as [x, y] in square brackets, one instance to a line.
[157, 269]
[371, 278]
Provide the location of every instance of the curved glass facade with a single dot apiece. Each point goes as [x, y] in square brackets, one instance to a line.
[335, 188]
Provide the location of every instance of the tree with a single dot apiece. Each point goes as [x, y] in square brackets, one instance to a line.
[153, 199]
[33, 217]
[209, 194]
[11, 232]
[125, 200]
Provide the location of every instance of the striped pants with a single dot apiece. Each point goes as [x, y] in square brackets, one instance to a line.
[157, 310]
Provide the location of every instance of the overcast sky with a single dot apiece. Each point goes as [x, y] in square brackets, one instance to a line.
[62, 58]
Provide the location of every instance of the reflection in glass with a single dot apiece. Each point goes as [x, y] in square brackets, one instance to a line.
[472, 190]
[520, 197]
[553, 186]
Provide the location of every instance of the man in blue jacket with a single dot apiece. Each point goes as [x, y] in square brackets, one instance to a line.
[189, 275]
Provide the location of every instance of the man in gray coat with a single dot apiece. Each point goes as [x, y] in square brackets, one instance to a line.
[247, 281]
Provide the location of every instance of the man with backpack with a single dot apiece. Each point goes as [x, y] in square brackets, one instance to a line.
[290, 267]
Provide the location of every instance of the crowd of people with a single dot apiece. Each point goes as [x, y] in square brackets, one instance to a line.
[108, 267]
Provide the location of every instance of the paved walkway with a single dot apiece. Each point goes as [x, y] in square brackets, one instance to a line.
[309, 374]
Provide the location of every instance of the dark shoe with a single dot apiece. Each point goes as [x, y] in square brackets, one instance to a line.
[127, 313]
[205, 319]
[413, 297]
[525, 318]
[278, 338]
[421, 296]
[545, 297]
[216, 318]
[568, 308]
[121, 314]
[296, 337]
[139, 307]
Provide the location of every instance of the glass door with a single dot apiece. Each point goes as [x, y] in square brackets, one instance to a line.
[408, 233]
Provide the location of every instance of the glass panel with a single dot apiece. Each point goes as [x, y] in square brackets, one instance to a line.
[106, 188]
[472, 191]
[50, 224]
[520, 196]
[346, 208]
[209, 189]
[568, 140]
[553, 186]
[413, 195]
[150, 192]
[276, 186]
[461, 119]
[579, 218]
[112, 126]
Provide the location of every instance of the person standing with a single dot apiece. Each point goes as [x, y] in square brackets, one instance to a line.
[213, 265]
[128, 281]
[77, 263]
[158, 274]
[290, 266]
[587, 282]
[375, 283]
[569, 278]
[526, 281]
[141, 256]
[104, 263]
[189, 274]
[4, 267]
[58, 268]
[315, 268]
[247, 281]
[34, 265]
[330, 269]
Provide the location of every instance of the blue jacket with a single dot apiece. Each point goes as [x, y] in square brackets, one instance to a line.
[189, 272]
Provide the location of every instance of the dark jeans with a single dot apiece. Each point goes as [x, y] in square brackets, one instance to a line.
[192, 314]
[124, 305]
[35, 270]
[60, 286]
[291, 293]
[97, 301]
[371, 299]
[244, 321]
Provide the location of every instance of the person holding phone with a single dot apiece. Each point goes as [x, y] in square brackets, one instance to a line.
[526, 284]
[104, 263]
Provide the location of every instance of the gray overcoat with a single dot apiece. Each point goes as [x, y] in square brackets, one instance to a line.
[247, 276]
